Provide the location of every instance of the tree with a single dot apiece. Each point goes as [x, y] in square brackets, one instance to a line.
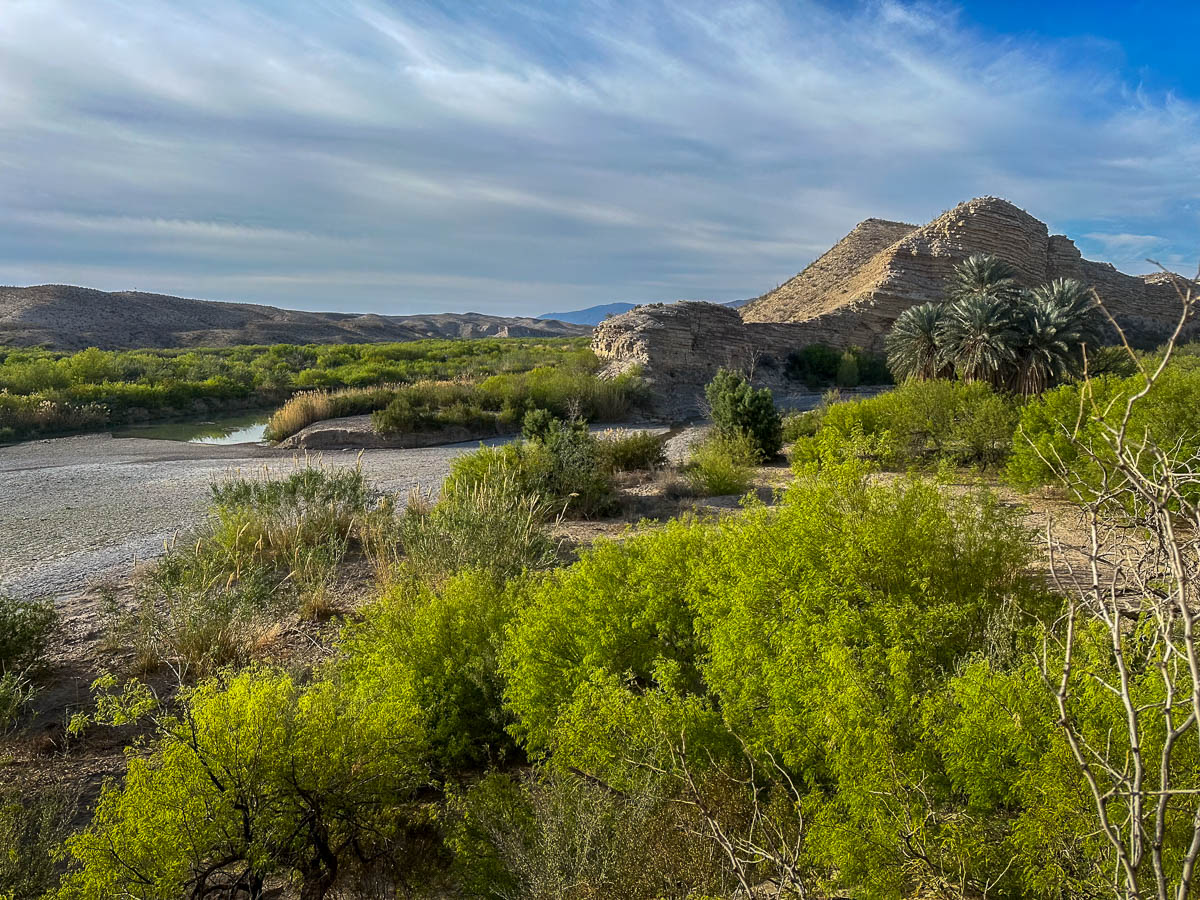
[738, 408]
[1057, 322]
[979, 339]
[912, 344]
[982, 276]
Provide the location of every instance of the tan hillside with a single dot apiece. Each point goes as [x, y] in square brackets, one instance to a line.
[861, 285]
[63, 317]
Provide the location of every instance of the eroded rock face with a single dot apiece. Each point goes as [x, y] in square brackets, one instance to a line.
[851, 296]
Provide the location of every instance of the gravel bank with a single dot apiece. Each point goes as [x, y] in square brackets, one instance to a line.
[73, 509]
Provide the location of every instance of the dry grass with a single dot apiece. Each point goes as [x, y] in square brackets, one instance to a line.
[308, 407]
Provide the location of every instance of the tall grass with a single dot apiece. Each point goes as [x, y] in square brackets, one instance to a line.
[307, 407]
[270, 549]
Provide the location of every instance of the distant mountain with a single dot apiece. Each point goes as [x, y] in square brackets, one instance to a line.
[594, 315]
[63, 317]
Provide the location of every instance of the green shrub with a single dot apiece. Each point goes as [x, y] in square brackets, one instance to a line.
[537, 424]
[799, 425]
[919, 423]
[565, 468]
[25, 630]
[632, 451]
[34, 821]
[721, 465]
[847, 372]
[258, 777]
[737, 407]
[441, 645]
[488, 525]
[1060, 428]
[809, 636]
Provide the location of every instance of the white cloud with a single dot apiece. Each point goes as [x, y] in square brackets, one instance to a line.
[541, 156]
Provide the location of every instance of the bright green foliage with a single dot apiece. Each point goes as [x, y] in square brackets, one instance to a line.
[258, 777]
[619, 611]
[736, 407]
[722, 465]
[814, 633]
[1055, 428]
[919, 423]
[440, 646]
[564, 468]
[46, 392]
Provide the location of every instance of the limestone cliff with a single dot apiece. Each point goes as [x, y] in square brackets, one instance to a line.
[852, 294]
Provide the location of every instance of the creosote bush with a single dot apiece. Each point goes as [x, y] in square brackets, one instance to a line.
[25, 630]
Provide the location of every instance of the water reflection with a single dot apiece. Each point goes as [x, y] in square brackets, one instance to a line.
[247, 428]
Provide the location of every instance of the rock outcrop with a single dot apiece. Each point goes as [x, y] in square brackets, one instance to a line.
[851, 295]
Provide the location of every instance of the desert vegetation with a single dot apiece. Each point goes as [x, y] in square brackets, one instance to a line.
[45, 392]
[875, 685]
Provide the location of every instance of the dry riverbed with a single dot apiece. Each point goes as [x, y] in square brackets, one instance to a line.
[80, 508]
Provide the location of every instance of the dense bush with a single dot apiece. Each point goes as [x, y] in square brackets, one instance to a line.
[258, 777]
[565, 468]
[440, 645]
[819, 365]
[721, 465]
[34, 821]
[632, 451]
[736, 407]
[918, 423]
[818, 638]
[1060, 429]
[502, 402]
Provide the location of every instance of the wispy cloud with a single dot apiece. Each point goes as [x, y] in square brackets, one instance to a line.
[360, 154]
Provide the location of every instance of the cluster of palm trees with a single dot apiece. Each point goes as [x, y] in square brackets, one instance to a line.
[992, 329]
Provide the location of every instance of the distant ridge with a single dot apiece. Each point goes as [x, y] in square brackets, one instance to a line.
[63, 317]
[594, 315]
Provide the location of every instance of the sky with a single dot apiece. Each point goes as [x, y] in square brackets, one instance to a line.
[403, 156]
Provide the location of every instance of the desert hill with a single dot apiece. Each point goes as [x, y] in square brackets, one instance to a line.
[852, 294]
[881, 268]
[64, 317]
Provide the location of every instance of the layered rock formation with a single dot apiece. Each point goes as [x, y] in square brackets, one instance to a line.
[851, 295]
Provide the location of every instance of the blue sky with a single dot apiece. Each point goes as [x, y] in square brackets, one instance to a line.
[412, 156]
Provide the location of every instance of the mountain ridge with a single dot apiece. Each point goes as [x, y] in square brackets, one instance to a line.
[68, 317]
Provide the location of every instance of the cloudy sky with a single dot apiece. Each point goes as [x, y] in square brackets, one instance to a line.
[411, 156]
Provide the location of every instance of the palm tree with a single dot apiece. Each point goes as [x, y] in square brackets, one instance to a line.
[1057, 321]
[981, 275]
[912, 344]
[979, 338]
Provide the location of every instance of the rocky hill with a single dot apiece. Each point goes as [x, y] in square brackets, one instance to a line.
[852, 294]
[63, 317]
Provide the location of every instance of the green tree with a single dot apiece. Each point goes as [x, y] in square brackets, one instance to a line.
[912, 345]
[738, 407]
